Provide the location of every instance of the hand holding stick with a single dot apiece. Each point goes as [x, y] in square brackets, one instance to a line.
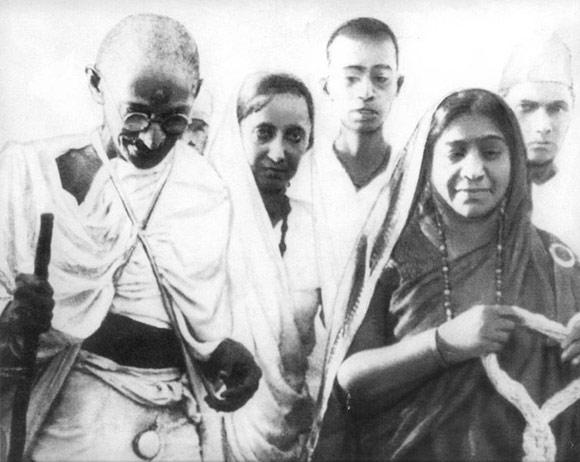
[30, 346]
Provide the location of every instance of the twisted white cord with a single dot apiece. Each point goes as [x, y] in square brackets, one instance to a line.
[539, 443]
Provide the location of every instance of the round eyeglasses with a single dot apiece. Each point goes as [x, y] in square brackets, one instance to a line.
[172, 124]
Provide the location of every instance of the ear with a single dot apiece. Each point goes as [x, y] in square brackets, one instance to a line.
[94, 79]
[400, 82]
[196, 88]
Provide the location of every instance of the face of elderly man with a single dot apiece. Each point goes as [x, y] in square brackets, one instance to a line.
[160, 95]
[543, 110]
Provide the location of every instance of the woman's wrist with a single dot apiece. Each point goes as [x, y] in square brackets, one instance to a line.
[447, 352]
[437, 351]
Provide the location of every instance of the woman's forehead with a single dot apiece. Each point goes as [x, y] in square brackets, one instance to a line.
[281, 109]
[468, 127]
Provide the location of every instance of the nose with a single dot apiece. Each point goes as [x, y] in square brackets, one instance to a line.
[154, 136]
[542, 122]
[472, 166]
[276, 150]
[366, 89]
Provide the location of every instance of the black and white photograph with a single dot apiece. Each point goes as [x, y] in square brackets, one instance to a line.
[289, 230]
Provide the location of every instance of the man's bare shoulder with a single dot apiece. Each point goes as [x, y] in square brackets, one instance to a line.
[75, 158]
[77, 168]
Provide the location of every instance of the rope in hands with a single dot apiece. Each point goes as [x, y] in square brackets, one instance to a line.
[539, 442]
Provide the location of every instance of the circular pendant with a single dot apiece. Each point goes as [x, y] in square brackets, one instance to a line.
[147, 444]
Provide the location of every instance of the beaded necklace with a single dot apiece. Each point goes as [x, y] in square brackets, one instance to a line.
[444, 252]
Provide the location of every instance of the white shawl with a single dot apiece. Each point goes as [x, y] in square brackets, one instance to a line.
[268, 427]
[188, 229]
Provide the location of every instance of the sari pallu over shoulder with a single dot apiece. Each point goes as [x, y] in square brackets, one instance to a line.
[438, 419]
[456, 414]
[376, 241]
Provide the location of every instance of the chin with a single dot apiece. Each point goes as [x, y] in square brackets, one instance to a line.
[270, 187]
[540, 156]
[474, 212]
[365, 127]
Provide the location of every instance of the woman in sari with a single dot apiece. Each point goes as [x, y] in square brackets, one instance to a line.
[453, 272]
[257, 152]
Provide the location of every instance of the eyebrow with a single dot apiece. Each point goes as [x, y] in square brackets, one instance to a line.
[558, 102]
[289, 127]
[139, 107]
[538, 103]
[384, 67]
[135, 107]
[478, 139]
[295, 127]
[264, 124]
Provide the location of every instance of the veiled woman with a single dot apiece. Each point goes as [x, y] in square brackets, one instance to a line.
[257, 151]
[454, 271]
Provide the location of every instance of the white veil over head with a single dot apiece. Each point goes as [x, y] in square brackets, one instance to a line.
[268, 427]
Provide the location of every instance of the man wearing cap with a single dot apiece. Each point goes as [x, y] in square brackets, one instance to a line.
[537, 84]
[137, 279]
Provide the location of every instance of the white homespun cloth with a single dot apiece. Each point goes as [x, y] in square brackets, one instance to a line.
[104, 406]
[274, 303]
[377, 232]
[543, 58]
[340, 210]
[188, 232]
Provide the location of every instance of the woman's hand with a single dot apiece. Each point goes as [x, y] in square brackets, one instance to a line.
[481, 330]
[571, 345]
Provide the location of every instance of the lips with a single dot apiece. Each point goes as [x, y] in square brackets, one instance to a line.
[541, 145]
[473, 192]
[274, 173]
[137, 147]
[139, 153]
[365, 111]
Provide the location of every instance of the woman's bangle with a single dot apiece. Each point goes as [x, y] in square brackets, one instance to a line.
[439, 350]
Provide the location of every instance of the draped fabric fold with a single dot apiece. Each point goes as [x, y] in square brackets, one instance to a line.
[375, 243]
[456, 414]
[268, 427]
[93, 240]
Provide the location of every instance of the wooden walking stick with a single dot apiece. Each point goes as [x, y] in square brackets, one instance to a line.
[22, 395]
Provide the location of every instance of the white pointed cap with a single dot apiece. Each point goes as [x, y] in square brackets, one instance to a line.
[539, 59]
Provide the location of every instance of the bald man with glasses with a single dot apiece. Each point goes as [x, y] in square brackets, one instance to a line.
[134, 319]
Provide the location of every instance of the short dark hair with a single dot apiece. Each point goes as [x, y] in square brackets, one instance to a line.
[269, 85]
[364, 28]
